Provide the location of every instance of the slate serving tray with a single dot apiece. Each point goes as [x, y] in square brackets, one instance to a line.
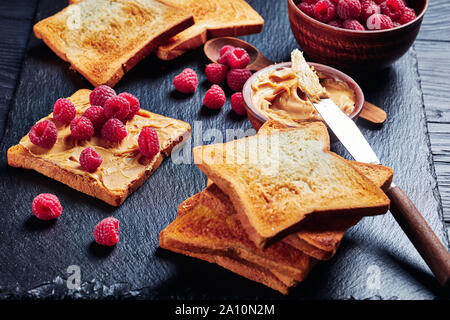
[34, 256]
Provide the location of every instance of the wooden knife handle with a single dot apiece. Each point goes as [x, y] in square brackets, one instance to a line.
[372, 113]
[421, 235]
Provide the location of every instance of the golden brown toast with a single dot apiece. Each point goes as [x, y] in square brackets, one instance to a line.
[103, 39]
[123, 169]
[275, 187]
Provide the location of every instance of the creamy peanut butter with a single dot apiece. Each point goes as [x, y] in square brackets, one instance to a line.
[122, 162]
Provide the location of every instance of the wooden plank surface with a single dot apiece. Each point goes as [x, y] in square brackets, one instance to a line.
[436, 25]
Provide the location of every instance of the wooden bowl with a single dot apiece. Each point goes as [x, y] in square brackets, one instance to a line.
[257, 117]
[354, 51]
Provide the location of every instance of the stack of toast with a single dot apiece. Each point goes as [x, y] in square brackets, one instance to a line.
[271, 224]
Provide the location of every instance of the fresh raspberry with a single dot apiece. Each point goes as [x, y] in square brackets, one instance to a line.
[97, 116]
[237, 77]
[216, 72]
[117, 107]
[379, 21]
[46, 206]
[408, 15]
[90, 160]
[307, 8]
[106, 232]
[324, 11]
[114, 130]
[310, 1]
[214, 97]
[223, 54]
[43, 134]
[392, 8]
[396, 24]
[99, 95]
[186, 81]
[225, 48]
[64, 111]
[238, 58]
[81, 128]
[348, 9]
[335, 23]
[368, 8]
[379, 1]
[353, 25]
[148, 142]
[134, 104]
[238, 104]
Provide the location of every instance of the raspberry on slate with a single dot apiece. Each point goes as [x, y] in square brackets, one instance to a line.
[46, 206]
[236, 78]
[97, 116]
[90, 160]
[99, 95]
[186, 81]
[238, 58]
[393, 8]
[238, 104]
[106, 232]
[64, 111]
[368, 8]
[348, 9]
[353, 25]
[379, 21]
[214, 97]
[134, 104]
[114, 130]
[81, 128]
[117, 107]
[324, 11]
[148, 142]
[43, 134]
[408, 15]
[216, 73]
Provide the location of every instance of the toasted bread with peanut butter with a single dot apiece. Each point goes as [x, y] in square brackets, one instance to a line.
[277, 180]
[123, 168]
[103, 39]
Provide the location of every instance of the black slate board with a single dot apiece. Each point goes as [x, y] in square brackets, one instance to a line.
[34, 256]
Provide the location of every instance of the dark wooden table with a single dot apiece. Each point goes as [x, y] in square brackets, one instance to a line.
[428, 60]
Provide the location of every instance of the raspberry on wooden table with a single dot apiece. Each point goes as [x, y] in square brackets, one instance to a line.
[148, 142]
[46, 206]
[135, 106]
[97, 116]
[324, 11]
[99, 95]
[408, 15]
[117, 107]
[393, 8]
[216, 73]
[348, 9]
[186, 81]
[238, 58]
[353, 25]
[214, 97]
[90, 160]
[64, 111]
[81, 128]
[106, 232]
[114, 130]
[379, 21]
[368, 8]
[238, 104]
[43, 134]
[236, 78]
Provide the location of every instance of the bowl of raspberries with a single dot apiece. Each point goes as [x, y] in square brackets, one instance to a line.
[356, 35]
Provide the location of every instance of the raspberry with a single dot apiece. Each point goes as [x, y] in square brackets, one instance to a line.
[81, 128]
[408, 15]
[237, 77]
[310, 1]
[134, 104]
[64, 111]
[90, 160]
[223, 55]
[186, 81]
[238, 104]
[368, 8]
[392, 8]
[106, 232]
[43, 134]
[225, 48]
[216, 73]
[348, 9]
[238, 58]
[114, 130]
[353, 25]
[379, 21]
[307, 8]
[46, 206]
[396, 24]
[97, 116]
[379, 1]
[214, 97]
[335, 23]
[117, 107]
[99, 95]
[148, 142]
[324, 11]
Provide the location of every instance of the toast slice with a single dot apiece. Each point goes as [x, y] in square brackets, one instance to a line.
[103, 39]
[123, 169]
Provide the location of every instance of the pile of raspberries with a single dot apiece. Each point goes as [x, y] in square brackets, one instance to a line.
[359, 14]
[230, 68]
